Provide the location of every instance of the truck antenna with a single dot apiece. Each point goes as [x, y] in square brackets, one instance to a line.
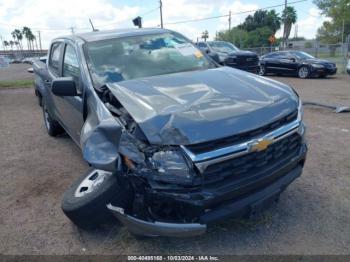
[93, 28]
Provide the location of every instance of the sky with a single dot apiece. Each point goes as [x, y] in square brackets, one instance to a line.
[58, 17]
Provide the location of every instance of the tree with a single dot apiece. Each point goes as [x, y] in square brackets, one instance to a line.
[205, 35]
[261, 18]
[19, 37]
[254, 31]
[289, 17]
[11, 44]
[331, 31]
[27, 32]
[6, 44]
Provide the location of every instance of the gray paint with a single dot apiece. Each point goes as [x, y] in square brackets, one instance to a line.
[193, 107]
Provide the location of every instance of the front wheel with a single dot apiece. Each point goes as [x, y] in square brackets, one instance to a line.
[262, 70]
[303, 72]
[84, 203]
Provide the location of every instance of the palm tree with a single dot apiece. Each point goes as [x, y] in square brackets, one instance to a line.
[18, 35]
[289, 17]
[6, 44]
[11, 45]
[31, 39]
[205, 35]
[27, 34]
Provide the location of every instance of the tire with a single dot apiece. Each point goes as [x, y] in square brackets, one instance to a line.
[52, 126]
[40, 99]
[84, 202]
[262, 70]
[303, 72]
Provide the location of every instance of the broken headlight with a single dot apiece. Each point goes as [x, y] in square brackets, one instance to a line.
[172, 167]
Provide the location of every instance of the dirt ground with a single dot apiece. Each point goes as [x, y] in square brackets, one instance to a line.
[312, 216]
[15, 72]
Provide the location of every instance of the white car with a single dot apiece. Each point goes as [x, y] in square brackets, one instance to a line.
[348, 67]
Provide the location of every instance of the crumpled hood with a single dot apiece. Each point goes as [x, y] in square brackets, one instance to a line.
[198, 106]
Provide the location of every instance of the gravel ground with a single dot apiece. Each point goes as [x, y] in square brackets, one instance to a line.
[312, 216]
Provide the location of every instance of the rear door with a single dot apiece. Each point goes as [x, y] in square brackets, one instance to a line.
[70, 108]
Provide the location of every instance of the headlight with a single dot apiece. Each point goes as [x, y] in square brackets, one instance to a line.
[317, 65]
[172, 167]
[302, 127]
[300, 110]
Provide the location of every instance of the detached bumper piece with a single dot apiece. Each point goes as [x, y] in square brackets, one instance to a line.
[153, 229]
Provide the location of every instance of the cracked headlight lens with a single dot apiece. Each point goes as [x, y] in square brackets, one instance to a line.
[172, 167]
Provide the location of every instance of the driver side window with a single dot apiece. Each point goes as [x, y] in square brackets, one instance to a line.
[71, 65]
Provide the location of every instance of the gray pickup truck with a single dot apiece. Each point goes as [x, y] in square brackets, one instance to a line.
[174, 141]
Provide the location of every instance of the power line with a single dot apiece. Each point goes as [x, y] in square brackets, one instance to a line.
[227, 15]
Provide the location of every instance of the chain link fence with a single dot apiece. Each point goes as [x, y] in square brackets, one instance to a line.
[336, 53]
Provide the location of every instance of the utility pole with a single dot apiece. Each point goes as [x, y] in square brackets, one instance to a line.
[39, 40]
[284, 26]
[342, 32]
[2, 42]
[161, 13]
[229, 20]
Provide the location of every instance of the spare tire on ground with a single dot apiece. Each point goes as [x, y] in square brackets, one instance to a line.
[84, 202]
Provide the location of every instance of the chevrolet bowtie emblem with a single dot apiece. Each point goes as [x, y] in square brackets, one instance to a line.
[260, 145]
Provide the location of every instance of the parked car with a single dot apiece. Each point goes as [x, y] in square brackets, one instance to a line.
[229, 55]
[348, 67]
[296, 63]
[174, 141]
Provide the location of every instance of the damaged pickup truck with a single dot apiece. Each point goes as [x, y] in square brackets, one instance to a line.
[175, 141]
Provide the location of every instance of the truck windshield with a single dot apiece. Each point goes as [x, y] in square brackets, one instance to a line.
[133, 57]
[223, 47]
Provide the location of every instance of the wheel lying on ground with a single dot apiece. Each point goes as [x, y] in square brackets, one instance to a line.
[303, 72]
[52, 126]
[262, 70]
[84, 203]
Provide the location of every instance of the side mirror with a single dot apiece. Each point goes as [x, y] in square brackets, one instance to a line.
[64, 86]
[292, 59]
[30, 70]
[207, 50]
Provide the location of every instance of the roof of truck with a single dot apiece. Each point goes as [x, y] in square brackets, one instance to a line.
[109, 34]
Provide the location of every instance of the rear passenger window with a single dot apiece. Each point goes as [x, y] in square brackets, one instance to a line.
[55, 58]
[70, 64]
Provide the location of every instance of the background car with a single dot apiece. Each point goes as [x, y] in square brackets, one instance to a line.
[296, 63]
[348, 67]
[230, 55]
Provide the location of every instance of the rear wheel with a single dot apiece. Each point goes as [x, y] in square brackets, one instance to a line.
[303, 72]
[52, 126]
[84, 203]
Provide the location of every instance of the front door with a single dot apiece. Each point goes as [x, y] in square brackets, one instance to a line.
[70, 108]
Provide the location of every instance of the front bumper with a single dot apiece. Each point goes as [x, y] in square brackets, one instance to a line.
[323, 71]
[249, 68]
[215, 207]
[152, 229]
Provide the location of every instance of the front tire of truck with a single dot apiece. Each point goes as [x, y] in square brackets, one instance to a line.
[85, 202]
[52, 126]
